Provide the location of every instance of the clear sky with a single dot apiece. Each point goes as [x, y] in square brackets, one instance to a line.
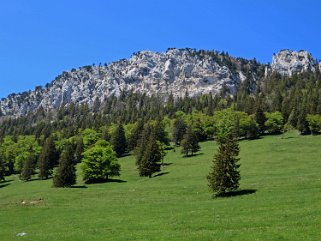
[41, 38]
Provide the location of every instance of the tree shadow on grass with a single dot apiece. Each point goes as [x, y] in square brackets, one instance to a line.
[236, 193]
[161, 174]
[5, 181]
[167, 163]
[4, 185]
[80, 186]
[106, 181]
[193, 155]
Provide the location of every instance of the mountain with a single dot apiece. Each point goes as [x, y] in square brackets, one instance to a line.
[175, 71]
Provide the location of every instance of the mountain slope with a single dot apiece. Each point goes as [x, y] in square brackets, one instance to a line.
[174, 71]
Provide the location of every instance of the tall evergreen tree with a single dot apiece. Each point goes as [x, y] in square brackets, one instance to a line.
[79, 149]
[151, 159]
[225, 176]
[260, 119]
[303, 125]
[28, 169]
[189, 143]
[119, 141]
[135, 135]
[2, 169]
[65, 175]
[48, 158]
[179, 128]
[161, 134]
[142, 143]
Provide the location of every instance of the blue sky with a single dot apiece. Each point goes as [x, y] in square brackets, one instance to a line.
[40, 39]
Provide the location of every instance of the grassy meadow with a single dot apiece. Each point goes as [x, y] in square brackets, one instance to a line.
[279, 199]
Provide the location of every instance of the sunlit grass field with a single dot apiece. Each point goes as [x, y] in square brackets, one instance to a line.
[280, 199]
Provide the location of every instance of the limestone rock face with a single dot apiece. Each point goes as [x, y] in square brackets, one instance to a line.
[287, 62]
[174, 71]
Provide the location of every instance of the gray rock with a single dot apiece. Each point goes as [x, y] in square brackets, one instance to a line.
[174, 71]
[287, 62]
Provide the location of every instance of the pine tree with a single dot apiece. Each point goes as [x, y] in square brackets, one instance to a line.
[225, 175]
[65, 175]
[2, 169]
[118, 141]
[161, 134]
[189, 143]
[79, 149]
[179, 128]
[142, 143]
[136, 133]
[48, 159]
[252, 131]
[260, 119]
[150, 161]
[303, 125]
[28, 169]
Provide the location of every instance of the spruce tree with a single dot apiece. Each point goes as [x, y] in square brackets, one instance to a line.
[142, 143]
[303, 125]
[151, 159]
[118, 141]
[135, 135]
[179, 128]
[28, 169]
[189, 143]
[48, 159]
[225, 176]
[2, 169]
[65, 175]
[260, 119]
[79, 149]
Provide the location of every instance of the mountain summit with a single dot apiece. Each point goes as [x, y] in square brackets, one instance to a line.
[176, 71]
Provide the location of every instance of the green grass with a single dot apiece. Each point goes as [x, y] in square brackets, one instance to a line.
[284, 170]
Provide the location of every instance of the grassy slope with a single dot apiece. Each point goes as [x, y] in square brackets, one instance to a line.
[285, 172]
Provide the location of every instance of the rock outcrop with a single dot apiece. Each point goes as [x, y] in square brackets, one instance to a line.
[287, 62]
[174, 71]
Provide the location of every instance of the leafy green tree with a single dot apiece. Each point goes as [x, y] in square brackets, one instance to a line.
[152, 157]
[65, 173]
[119, 141]
[225, 121]
[48, 158]
[189, 143]
[274, 123]
[225, 176]
[99, 163]
[314, 123]
[90, 137]
[8, 151]
[26, 147]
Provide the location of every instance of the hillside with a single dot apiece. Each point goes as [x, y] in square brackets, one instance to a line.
[175, 71]
[279, 200]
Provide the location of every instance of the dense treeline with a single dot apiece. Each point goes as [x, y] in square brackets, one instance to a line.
[146, 125]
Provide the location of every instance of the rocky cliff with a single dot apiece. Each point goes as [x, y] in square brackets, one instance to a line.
[287, 62]
[174, 71]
